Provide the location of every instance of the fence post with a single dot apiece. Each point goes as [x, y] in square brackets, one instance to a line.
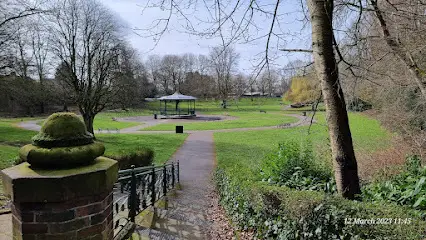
[153, 187]
[178, 170]
[164, 180]
[165, 186]
[173, 175]
[132, 210]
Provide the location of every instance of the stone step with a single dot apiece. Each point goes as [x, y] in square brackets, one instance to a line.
[181, 229]
[141, 233]
[192, 217]
[185, 206]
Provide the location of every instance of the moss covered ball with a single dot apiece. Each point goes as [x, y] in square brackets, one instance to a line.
[63, 142]
[62, 130]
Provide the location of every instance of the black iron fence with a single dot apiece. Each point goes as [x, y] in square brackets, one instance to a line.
[138, 189]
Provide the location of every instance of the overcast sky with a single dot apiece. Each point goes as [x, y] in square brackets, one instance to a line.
[175, 41]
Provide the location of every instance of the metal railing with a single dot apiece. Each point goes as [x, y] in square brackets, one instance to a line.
[137, 189]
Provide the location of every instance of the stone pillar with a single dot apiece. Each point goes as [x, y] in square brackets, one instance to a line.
[64, 189]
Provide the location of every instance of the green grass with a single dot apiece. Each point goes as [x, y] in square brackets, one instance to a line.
[12, 135]
[244, 120]
[247, 149]
[104, 121]
[164, 145]
[7, 155]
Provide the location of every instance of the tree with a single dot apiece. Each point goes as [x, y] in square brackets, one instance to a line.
[267, 82]
[223, 62]
[303, 89]
[85, 38]
[12, 12]
[344, 161]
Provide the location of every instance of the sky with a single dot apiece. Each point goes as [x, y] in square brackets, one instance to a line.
[176, 41]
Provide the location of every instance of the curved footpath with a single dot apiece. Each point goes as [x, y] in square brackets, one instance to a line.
[191, 209]
[303, 121]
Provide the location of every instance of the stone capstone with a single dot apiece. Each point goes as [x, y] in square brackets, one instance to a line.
[63, 142]
[25, 184]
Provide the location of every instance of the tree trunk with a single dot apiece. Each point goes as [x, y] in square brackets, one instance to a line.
[344, 162]
[88, 121]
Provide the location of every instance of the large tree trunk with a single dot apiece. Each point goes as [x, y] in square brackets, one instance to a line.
[344, 162]
[88, 121]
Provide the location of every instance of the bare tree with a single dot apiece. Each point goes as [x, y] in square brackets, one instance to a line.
[12, 12]
[223, 62]
[344, 161]
[85, 39]
[40, 52]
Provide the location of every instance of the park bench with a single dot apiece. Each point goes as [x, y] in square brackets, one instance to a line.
[285, 125]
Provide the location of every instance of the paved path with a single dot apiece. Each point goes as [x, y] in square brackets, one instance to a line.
[303, 121]
[6, 227]
[186, 217]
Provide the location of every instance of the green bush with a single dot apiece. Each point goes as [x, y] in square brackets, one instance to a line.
[140, 158]
[294, 165]
[407, 188]
[281, 210]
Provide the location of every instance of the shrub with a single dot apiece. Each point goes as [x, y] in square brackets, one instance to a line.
[407, 188]
[283, 213]
[279, 210]
[295, 166]
[358, 105]
[140, 158]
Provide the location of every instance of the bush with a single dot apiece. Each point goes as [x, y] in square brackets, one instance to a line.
[140, 158]
[281, 211]
[295, 166]
[358, 105]
[407, 188]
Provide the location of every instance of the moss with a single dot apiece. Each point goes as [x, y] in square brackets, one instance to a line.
[61, 130]
[61, 157]
[146, 218]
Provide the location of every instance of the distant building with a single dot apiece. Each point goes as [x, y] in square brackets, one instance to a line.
[254, 94]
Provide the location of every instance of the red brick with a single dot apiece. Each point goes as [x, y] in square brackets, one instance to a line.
[64, 236]
[89, 210]
[55, 216]
[72, 225]
[31, 228]
[90, 231]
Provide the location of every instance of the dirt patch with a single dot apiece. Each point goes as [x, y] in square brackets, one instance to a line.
[221, 228]
[387, 162]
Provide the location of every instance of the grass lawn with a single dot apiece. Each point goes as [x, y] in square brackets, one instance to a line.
[247, 149]
[104, 120]
[245, 120]
[164, 145]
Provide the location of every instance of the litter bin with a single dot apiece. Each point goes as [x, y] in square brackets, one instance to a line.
[179, 129]
[155, 116]
[304, 114]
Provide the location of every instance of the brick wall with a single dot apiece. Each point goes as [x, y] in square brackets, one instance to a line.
[80, 219]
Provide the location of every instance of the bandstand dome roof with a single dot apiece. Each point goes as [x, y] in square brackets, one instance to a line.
[177, 96]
